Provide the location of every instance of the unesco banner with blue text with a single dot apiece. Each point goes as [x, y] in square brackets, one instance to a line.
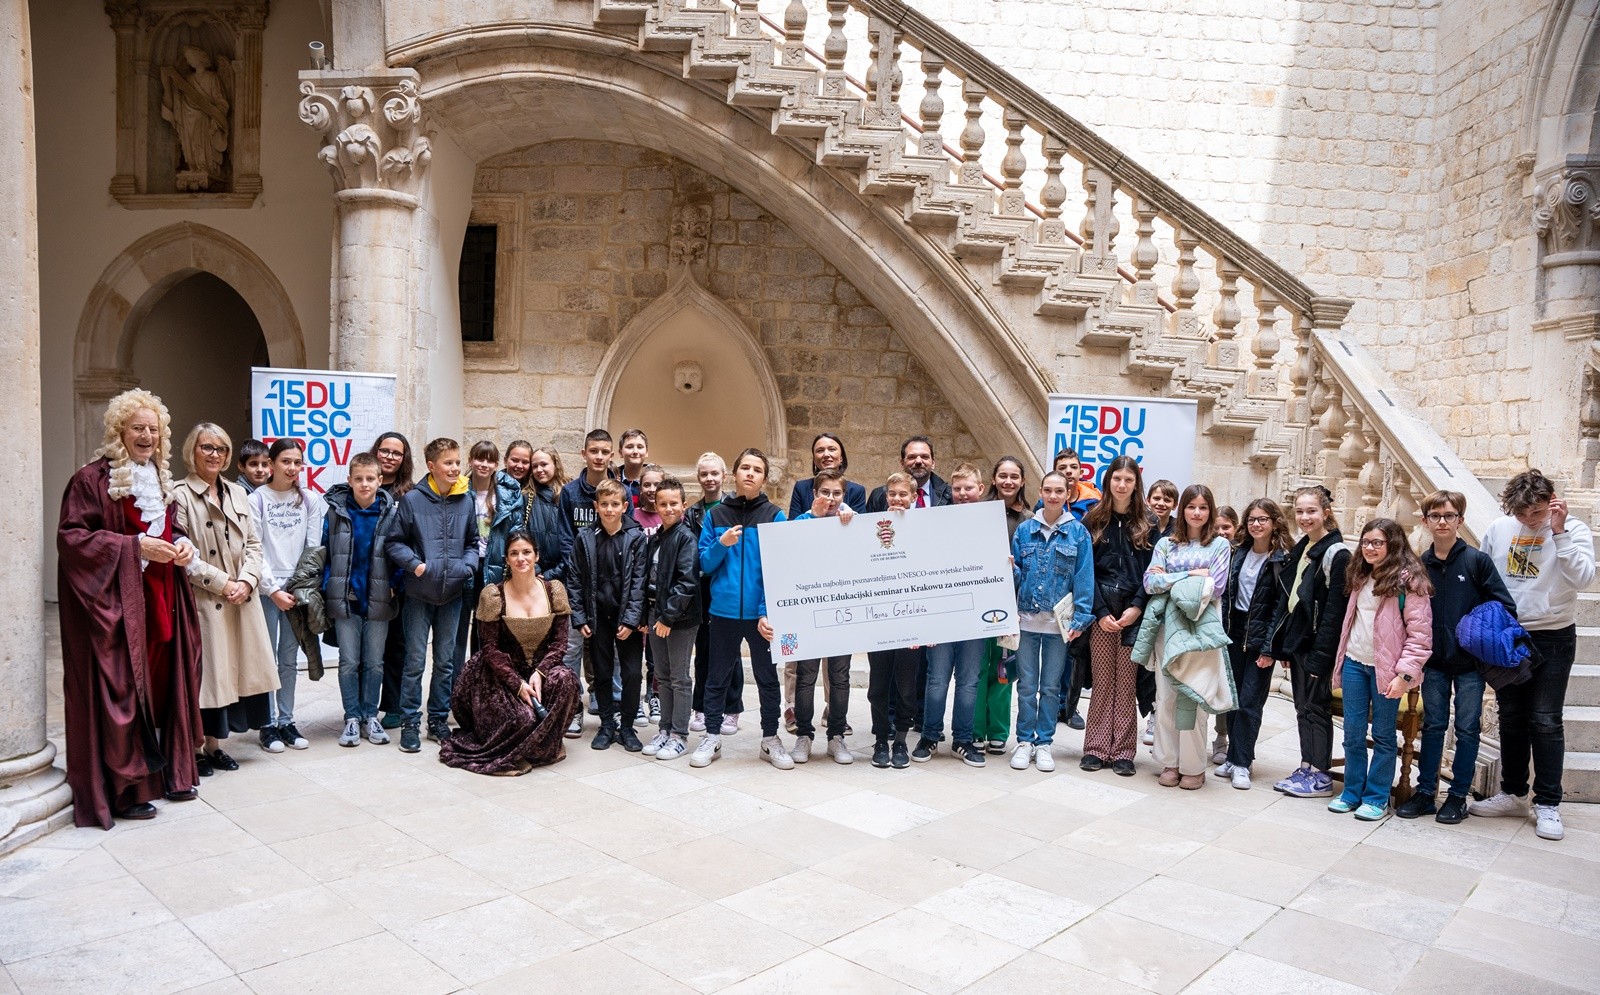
[334, 415]
[1158, 432]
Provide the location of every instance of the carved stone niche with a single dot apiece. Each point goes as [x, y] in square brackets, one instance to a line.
[188, 102]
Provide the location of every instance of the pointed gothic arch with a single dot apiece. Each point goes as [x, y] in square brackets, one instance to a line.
[690, 322]
[136, 281]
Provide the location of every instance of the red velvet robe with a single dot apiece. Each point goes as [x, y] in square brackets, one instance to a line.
[130, 647]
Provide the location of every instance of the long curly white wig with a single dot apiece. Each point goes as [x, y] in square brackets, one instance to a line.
[119, 411]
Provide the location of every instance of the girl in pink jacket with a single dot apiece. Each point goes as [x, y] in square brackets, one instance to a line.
[1384, 643]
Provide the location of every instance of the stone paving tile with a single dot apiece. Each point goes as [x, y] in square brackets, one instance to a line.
[419, 878]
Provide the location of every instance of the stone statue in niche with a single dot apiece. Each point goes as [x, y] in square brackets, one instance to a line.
[195, 101]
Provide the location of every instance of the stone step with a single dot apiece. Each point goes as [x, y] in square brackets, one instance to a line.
[1583, 687]
[1588, 644]
[1580, 778]
[1582, 724]
[1589, 609]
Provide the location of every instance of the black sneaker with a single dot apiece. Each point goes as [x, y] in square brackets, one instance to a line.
[1453, 811]
[1418, 805]
[1122, 768]
[438, 730]
[410, 739]
[1075, 721]
[899, 759]
[290, 734]
[925, 750]
[1090, 762]
[969, 754]
[604, 738]
[996, 747]
[270, 740]
[880, 754]
[630, 740]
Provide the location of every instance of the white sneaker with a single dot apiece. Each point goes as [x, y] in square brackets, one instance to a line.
[1241, 778]
[840, 751]
[1224, 770]
[772, 752]
[641, 719]
[1043, 759]
[1021, 755]
[352, 733]
[1549, 826]
[1149, 736]
[802, 750]
[1501, 805]
[710, 749]
[654, 746]
[698, 722]
[376, 735]
[672, 749]
[730, 724]
[576, 728]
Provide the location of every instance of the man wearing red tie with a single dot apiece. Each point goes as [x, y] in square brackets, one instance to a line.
[916, 458]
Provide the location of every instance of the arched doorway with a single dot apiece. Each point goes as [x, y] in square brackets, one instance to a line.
[137, 282]
[730, 400]
[194, 349]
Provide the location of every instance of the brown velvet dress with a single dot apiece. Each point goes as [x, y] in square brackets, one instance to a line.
[498, 732]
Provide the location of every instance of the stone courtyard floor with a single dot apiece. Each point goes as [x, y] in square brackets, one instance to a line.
[353, 870]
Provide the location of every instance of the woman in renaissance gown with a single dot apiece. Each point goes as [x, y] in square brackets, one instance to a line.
[514, 697]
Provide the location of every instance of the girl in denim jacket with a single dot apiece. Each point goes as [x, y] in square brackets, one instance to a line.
[1052, 560]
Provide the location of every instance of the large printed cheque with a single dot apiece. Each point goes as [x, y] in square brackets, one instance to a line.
[931, 575]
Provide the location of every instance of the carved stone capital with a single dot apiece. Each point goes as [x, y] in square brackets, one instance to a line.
[1566, 213]
[372, 128]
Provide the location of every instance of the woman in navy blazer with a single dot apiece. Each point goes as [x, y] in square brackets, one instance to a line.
[827, 450]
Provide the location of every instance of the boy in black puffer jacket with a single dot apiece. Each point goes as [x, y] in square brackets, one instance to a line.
[609, 560]
[675, 609]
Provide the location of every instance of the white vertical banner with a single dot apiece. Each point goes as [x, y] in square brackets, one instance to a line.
[1159, 432]
[335, 415]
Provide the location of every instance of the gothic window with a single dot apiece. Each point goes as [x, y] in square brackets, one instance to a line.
[476, 282]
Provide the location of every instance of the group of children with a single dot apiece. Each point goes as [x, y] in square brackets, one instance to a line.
[1165, 604]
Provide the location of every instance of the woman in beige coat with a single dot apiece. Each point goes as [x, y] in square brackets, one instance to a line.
[237, 672]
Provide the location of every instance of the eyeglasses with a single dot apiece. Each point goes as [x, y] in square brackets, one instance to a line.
[1374, 543]
[391, 453]
[1439, 519]
[1258, 521]
[208, 449]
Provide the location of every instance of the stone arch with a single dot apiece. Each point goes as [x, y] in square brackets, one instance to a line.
[508, 89]
[685, 298]
[135, 282]
[1561, 96]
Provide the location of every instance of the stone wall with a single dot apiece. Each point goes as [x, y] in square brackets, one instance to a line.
[592, 252]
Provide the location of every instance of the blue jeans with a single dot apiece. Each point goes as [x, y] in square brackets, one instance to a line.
[285, 650]
[360, 665]
[963, 660]
[418, 620]
[1041, 660]
[1367, 783]
[1436, 690]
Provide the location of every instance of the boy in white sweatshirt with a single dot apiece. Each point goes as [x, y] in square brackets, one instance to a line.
[1545, 559]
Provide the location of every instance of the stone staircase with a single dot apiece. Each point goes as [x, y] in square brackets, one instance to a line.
[1582, 778]
[1184, 304]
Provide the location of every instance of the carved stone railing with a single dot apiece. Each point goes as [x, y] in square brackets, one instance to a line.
[999, 173]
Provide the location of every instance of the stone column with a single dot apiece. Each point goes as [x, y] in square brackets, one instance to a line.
[371, 126]
[34, 796]
[1566, 338]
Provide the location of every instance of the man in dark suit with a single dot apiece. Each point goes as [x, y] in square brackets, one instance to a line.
[916, 458]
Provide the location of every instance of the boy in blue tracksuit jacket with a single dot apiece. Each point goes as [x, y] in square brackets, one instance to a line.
[730, 555]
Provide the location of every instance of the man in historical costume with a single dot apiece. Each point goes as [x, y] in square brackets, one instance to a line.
[129, 637]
